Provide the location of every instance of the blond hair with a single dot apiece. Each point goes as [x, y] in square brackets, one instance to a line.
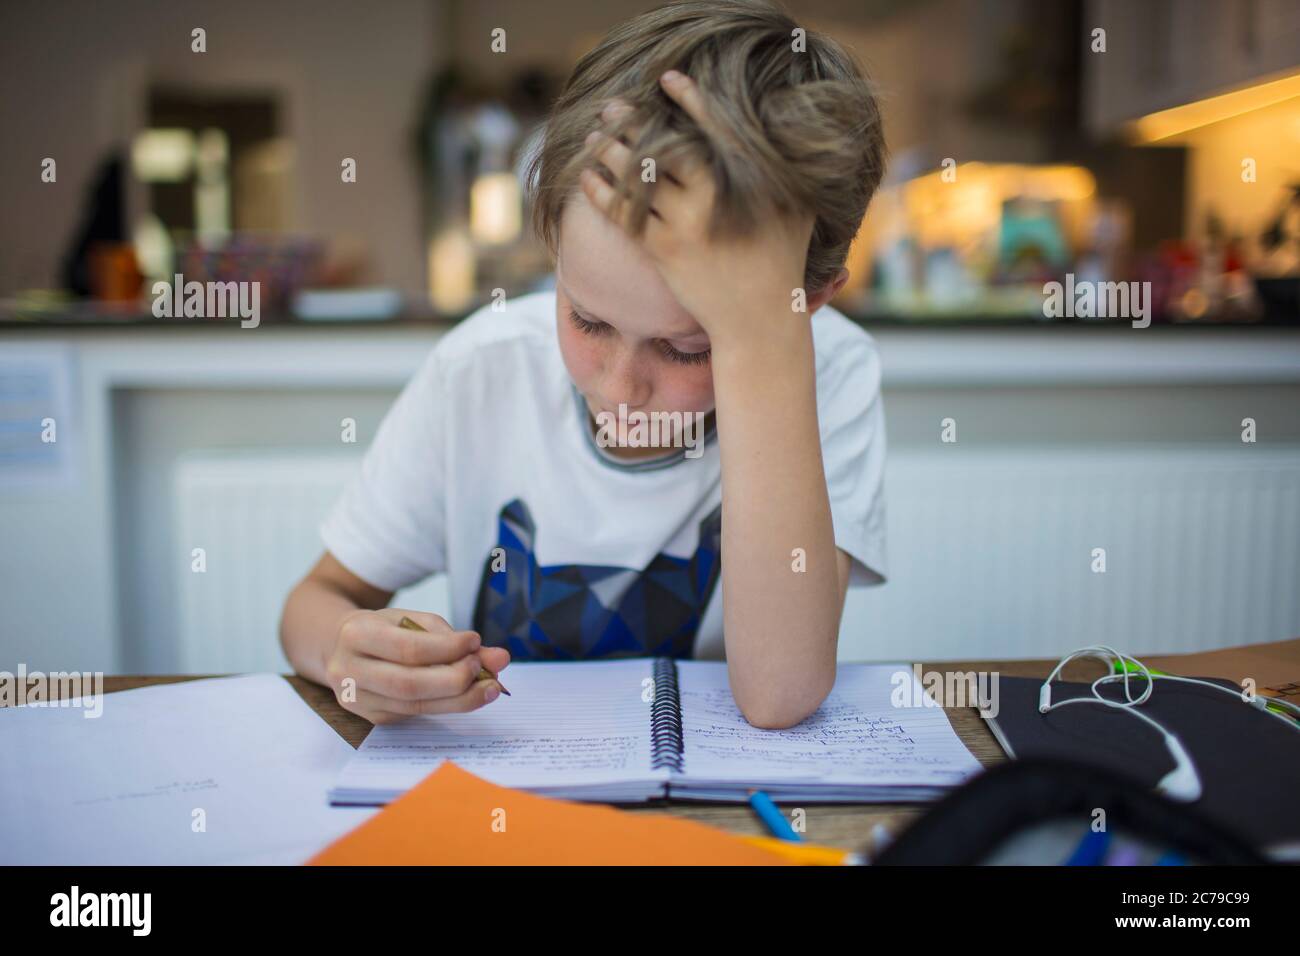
[800, 129]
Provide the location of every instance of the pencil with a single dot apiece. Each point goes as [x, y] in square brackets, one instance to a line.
[483, 674]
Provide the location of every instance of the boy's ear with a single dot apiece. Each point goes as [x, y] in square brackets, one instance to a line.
[828, 291]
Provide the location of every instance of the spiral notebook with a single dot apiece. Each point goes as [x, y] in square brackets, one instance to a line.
[638, 729]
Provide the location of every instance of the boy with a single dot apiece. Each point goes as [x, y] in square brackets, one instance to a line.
[699, 183]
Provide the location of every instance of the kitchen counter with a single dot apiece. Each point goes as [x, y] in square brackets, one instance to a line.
[284, 354]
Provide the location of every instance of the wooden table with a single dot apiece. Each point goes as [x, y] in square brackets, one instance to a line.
[847, 825]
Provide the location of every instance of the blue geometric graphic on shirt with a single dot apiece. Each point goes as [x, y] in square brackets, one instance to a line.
[581, 611]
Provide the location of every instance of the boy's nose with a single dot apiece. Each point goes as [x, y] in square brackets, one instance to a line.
[625, 382]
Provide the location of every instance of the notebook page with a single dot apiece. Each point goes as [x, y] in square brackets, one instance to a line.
[568, 723]
[856, 737]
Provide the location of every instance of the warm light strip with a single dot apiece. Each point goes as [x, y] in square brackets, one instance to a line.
[1191, 116]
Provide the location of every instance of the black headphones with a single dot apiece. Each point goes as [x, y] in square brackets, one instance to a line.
[975, 823]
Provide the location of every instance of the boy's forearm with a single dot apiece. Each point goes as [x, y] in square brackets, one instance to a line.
[311, 620]
[781, 625]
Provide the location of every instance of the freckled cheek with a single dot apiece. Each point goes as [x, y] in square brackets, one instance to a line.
[686, 389]
[582, 357]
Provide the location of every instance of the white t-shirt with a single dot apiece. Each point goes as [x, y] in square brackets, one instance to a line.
[489, 453]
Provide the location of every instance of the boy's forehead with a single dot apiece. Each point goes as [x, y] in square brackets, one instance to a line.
[607, 275]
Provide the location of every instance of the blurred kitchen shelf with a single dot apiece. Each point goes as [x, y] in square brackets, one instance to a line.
[15, 314]
[104, 315]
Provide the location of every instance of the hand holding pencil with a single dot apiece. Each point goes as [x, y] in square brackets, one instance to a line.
[483, 673]
[389, 664]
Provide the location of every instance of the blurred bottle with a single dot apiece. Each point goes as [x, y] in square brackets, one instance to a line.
[114, 274]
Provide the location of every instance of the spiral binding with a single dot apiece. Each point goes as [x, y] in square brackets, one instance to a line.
[666, 718]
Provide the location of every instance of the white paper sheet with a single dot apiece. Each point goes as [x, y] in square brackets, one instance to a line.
[123, 788]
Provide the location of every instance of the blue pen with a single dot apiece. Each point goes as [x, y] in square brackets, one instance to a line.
[772, 816]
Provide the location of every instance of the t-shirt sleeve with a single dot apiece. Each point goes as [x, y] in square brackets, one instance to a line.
[852, 422]
[388, 527]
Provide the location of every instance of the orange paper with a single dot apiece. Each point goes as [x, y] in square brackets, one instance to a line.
[455, 818]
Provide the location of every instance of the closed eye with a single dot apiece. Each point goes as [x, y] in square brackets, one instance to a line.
[591, 328]
[684, 358]
[588, 327]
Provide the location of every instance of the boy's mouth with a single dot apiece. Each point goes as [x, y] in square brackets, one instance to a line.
[598, 408]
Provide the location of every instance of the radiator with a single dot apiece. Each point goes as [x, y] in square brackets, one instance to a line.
[990, 552]
[256, 516]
